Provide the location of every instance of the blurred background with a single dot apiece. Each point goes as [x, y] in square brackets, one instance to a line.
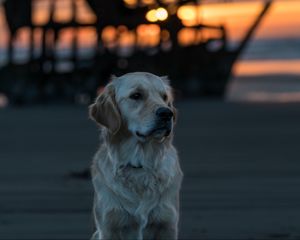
[235, 69]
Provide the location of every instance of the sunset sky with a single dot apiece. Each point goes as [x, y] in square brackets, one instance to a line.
[282, 21]
[281, 26]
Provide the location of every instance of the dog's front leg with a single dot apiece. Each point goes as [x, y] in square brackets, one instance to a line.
[110, 235]
[119, 225]
[130, 233]
[167, 231]
[125, 233]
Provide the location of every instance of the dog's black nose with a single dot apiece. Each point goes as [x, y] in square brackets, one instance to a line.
[164, 113]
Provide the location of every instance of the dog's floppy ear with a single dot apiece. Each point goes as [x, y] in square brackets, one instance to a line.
[105, 112]
[166, 80]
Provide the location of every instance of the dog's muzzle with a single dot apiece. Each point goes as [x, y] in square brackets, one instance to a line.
[164, 121]
[163, 124]
[164, 114]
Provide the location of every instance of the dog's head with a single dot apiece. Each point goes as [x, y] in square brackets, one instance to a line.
[140, 102]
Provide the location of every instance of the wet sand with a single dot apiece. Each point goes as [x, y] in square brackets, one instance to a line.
[241, 165]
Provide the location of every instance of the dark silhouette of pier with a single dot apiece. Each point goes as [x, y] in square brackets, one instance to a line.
[196, 70]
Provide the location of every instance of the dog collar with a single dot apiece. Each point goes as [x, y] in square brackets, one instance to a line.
[129, 165]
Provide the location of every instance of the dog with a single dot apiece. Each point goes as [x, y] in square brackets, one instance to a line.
[136, 173]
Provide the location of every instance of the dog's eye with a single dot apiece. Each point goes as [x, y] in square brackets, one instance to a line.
[136, 96]
[165, 97]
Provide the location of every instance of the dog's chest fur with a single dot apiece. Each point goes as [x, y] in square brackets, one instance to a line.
[145, 169]
[141, 181]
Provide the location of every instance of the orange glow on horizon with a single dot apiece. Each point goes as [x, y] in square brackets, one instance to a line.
[281, 20]
[266, 67]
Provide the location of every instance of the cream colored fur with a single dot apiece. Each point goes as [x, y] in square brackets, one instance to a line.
[135, 173]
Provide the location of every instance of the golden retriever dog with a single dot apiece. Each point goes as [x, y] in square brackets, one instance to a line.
[136, 174]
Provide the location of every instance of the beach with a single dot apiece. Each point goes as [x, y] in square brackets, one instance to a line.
[240, 161]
